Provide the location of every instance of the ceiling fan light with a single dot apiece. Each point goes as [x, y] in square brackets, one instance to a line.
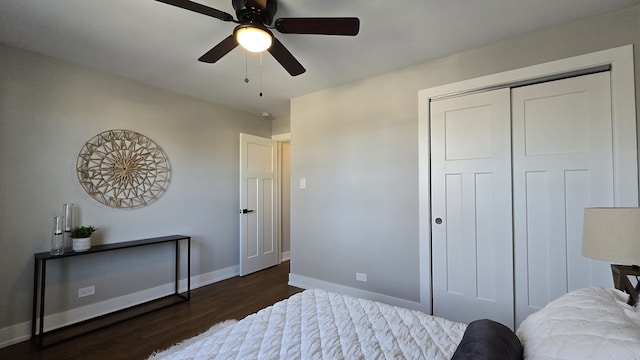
[253, 38]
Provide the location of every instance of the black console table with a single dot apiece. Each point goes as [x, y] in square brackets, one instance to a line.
[39, 287]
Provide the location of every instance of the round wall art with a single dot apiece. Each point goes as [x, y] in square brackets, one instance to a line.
[122, 169]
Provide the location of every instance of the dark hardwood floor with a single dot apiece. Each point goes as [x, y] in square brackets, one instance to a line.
[137, 338]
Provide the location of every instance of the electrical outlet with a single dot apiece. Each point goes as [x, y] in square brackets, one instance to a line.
[303, 183]
[361, 277]
[86, 291]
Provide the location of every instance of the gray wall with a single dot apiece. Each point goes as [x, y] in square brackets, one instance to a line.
[48, 110]
[357, 146]
[281, 125]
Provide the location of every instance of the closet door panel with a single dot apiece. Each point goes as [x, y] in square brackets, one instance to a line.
[471, 202]
[576, 199]
[538, 255]
[486, 241]
[454, 253]
[562, 163]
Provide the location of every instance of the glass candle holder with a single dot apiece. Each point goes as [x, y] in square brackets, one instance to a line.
[68, 216]
[67, 210]
[57, 236]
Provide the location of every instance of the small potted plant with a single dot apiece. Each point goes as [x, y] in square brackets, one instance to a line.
[81, 236]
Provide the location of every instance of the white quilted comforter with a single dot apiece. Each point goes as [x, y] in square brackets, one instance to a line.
[316, 324]
[590, 323]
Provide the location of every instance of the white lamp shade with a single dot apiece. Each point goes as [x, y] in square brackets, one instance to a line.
[253, 39]
[612, 234]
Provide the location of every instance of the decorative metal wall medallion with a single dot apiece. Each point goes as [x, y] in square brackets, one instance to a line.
[122, 169]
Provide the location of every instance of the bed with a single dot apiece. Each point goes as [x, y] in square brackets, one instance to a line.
[592, 323]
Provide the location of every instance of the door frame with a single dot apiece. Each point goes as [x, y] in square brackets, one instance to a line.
[280, 138]
[620, 62]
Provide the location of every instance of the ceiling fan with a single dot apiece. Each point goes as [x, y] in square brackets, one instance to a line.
[255, 19]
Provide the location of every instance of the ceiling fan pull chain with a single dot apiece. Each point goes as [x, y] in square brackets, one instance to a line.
[261, 74]
[246, 76]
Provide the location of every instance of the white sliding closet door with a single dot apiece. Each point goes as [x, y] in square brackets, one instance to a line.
[562, 163]
[471, 207]
[512, 171]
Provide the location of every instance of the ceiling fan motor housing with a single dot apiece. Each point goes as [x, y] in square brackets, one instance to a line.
[255, 11]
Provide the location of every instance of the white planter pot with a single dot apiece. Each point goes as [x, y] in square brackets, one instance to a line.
[81, 244]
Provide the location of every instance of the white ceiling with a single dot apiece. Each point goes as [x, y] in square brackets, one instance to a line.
[159, 44]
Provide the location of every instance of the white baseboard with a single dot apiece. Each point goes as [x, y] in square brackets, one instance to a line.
[14, 334]
[311, 283]
[285, 256]
[214, 276]
[20, 332]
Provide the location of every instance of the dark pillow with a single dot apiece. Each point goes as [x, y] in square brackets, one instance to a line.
[487, 339]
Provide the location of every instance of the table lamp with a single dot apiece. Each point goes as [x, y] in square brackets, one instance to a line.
[613, 234]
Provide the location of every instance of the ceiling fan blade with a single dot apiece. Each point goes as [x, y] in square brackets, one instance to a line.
[219, 50]
[199, 8]
[322, 26]
[285, 58]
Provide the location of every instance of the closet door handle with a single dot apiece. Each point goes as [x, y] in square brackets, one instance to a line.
[246, 211]
[438, 221]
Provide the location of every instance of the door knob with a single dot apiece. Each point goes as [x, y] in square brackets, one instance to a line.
[438, 221]
[245, 211]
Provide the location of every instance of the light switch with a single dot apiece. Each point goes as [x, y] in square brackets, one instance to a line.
[303, 183]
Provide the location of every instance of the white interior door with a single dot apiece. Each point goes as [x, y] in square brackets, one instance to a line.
[259, 247]
[562, 163]
[472, 207]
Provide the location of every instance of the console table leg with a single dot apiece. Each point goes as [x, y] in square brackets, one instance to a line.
[43, 274]
[189, 268]
[177, 281]
[34, 310]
